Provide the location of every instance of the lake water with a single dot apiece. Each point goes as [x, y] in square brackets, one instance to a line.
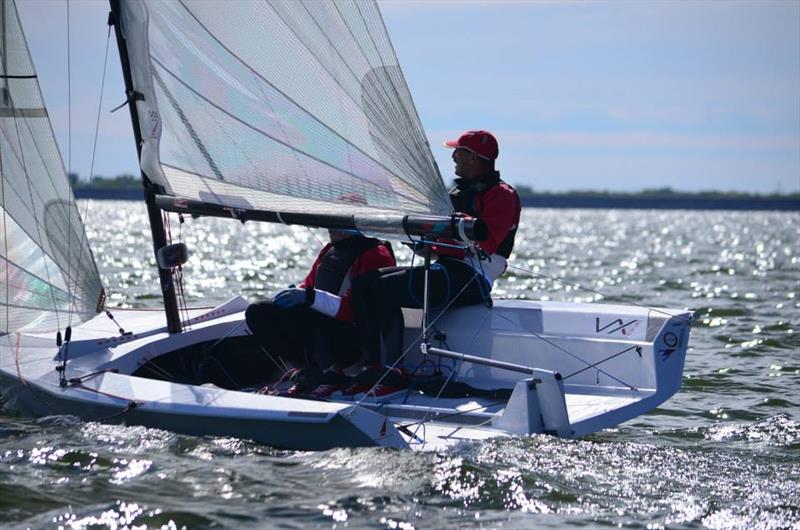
[723, 453]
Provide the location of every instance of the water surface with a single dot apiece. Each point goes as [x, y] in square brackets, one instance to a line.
[722, 453]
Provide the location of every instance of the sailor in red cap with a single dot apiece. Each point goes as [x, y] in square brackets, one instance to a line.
[460, 276]
[479, 192]
[481, 143]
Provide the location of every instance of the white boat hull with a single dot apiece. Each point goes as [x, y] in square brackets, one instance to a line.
[592, 367]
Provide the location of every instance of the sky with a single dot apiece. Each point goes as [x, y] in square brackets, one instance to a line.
[619, 96]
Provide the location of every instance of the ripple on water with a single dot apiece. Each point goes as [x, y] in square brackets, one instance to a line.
[628, 483]
[778, 431]
[121, 514]
[722, 453]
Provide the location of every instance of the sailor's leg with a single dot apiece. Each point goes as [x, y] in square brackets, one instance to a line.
[465, 285]
[377, 299]
[283, 332]
[337, 343]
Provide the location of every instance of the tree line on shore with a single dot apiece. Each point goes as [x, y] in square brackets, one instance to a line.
[132, 182]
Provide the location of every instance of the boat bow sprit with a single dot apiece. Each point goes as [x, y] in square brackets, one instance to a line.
[295, 113]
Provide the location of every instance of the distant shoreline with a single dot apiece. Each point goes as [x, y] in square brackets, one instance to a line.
[680, 202]
[661, 203]
[109, 194]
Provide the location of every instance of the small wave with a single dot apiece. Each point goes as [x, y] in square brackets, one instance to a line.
[778, 431]
[611, 481]
[59, 421]
[121, 514]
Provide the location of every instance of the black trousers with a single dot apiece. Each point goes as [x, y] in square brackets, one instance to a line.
[379, 295]
[303, 336]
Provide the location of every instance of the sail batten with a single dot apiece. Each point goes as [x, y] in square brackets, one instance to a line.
[278, 106]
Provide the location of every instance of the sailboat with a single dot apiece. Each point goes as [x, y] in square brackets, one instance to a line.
[272, 112]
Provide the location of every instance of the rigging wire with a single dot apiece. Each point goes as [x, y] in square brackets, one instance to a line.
[179, 275]
[70, 292]
[435, 399]
[177, 272]
[311, 231]
[4, 59]
[85, 215]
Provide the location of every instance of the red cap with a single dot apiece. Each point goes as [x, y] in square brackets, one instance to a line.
[482, 143]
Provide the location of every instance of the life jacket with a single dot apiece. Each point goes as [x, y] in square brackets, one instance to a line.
[334, 267]
[466, 198]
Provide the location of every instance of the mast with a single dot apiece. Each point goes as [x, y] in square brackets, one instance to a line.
[153, 212]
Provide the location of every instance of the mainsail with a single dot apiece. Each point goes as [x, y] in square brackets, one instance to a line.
[49, 278]
[282, 106]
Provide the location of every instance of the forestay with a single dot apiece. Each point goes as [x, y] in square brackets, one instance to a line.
[279, 106]
[49, 278]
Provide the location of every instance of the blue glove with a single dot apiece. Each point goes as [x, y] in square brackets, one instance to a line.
[291, 298]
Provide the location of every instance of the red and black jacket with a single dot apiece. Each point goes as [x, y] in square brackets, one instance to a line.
[338, 264]
[494, 202]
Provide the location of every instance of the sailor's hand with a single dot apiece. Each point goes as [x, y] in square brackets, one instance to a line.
[290, 298]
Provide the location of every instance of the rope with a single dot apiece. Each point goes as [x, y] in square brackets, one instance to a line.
[78, 383]
[78, 380]
[179, 276]
[284, 367]
[233, 330]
